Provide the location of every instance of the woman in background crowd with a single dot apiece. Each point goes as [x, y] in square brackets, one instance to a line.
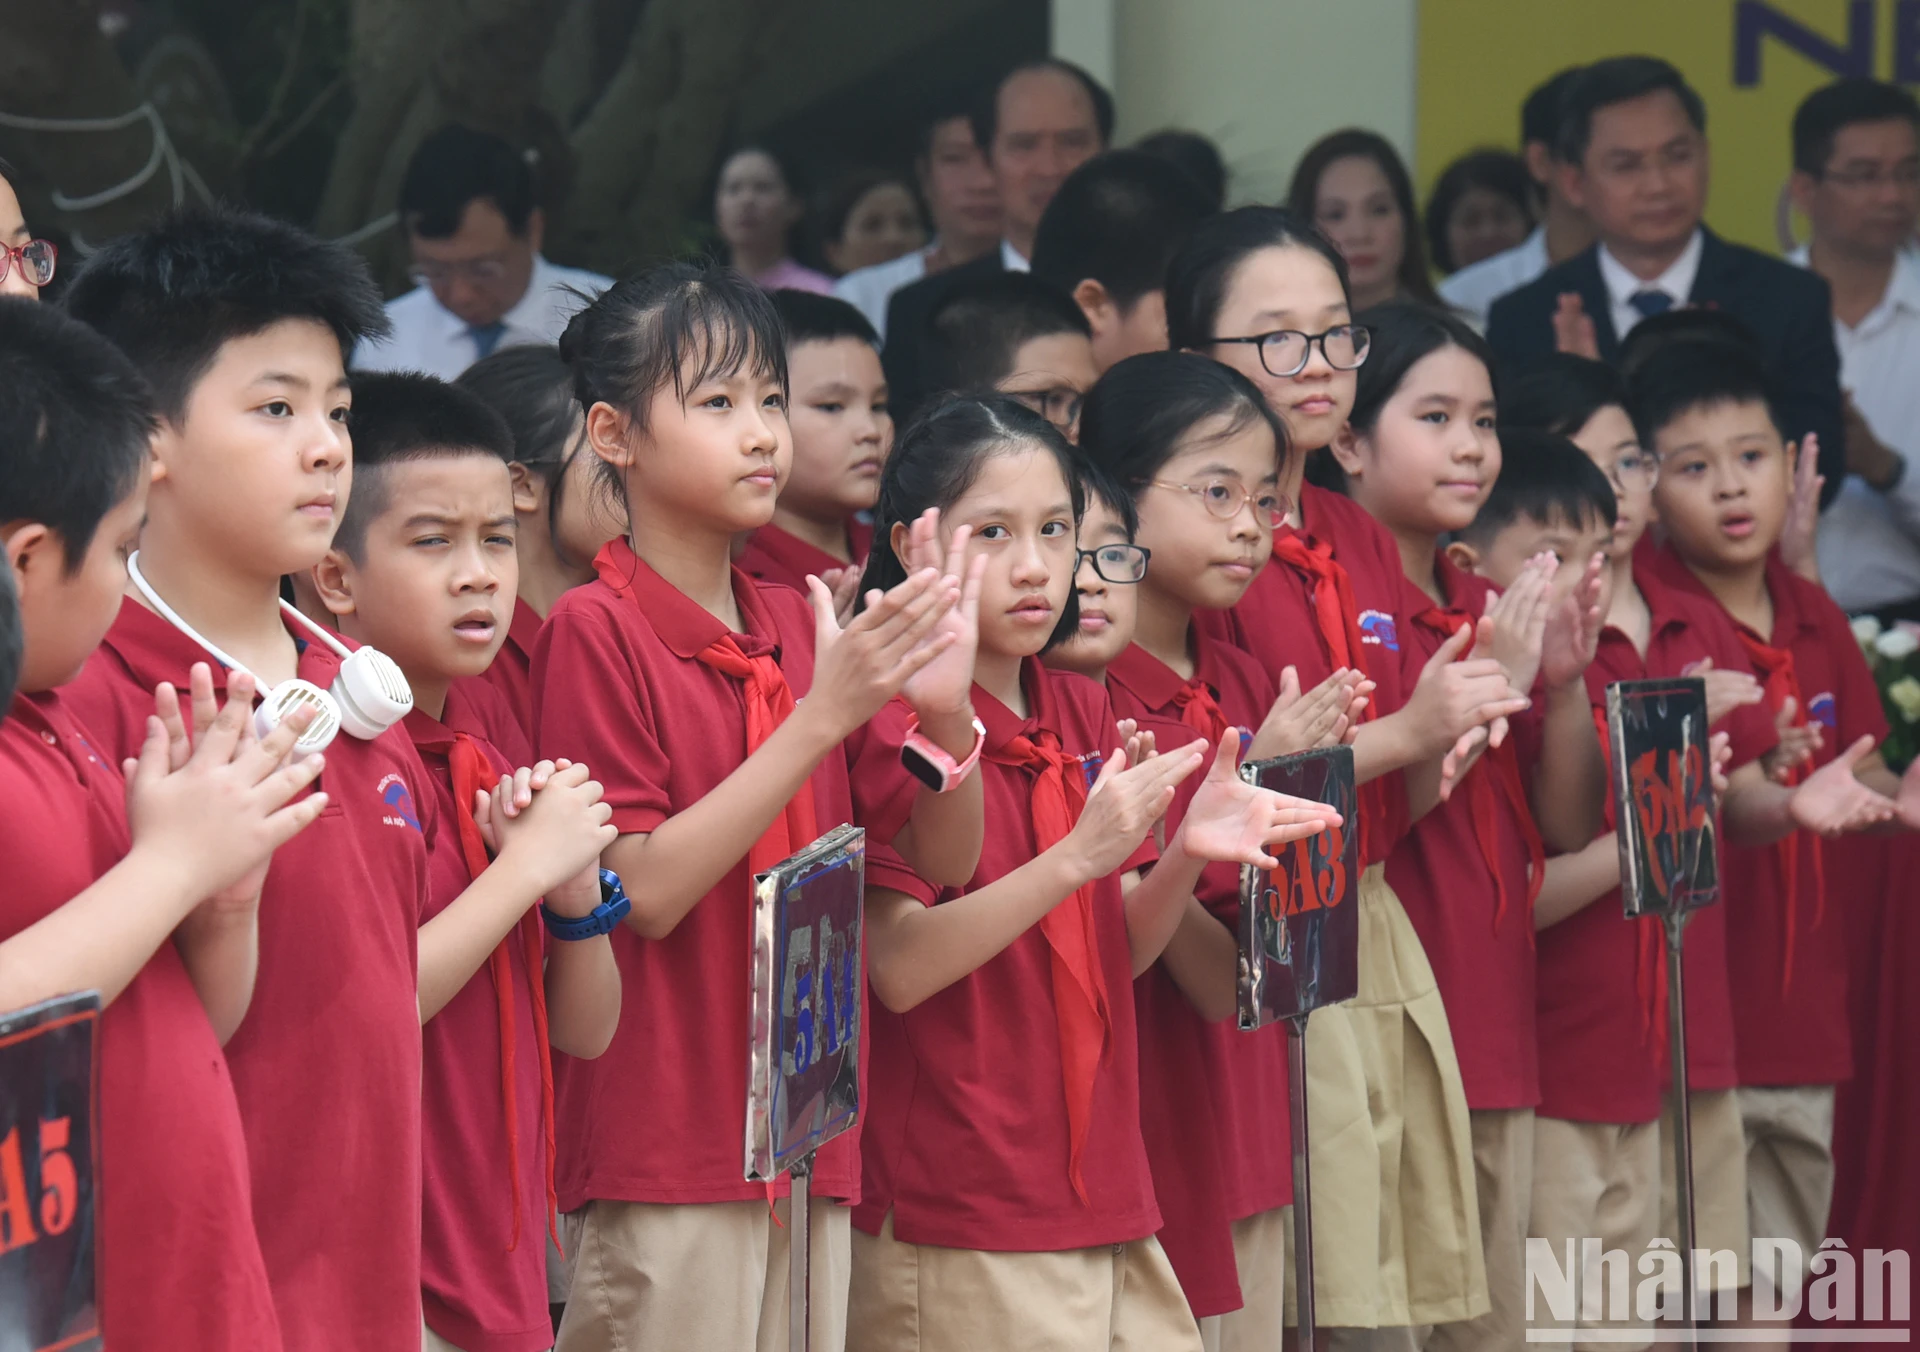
[1353, 185]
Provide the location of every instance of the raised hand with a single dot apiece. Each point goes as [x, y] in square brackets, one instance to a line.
[1726, 690]
[1452, 698]
[858, 668]
[1798, 742]
[558, 834]
[218, 812]
[1831, 801]
[844, 584]
[1323, 716]
[1802, 525]
[1124, 803]
[944, 686]
[1573, 328]
[1574, 622]
[1519, 616]
[1719, 757]
[1233, 822]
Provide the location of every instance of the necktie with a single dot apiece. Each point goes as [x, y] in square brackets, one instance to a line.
[1081, 1013]
[1779, 682]
[1497, 775]
[1650, 303]
[472, 774]
[486, 337]
[1336, 615]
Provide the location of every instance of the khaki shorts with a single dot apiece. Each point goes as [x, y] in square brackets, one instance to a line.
[1719, 1187]
[1263, 1251]
[922, 1298]
[1503, 1178]
[708, 1277]
[1596, 1180]
[1789, 1169]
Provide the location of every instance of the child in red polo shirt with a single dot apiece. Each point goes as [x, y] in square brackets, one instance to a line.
[1722, 494]
[242, 325]
[1420, 454]
[149, 899]
[1396, 1239]
[1014, 333]
[713, 708]
[562, 515]
[1194, 449]
[998, 1211]
[423, 567]
[841, 434]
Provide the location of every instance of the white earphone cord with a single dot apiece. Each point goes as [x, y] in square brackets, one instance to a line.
[173, 618]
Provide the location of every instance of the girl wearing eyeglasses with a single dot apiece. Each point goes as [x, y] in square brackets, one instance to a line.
[1260, 290]
[26, 263]
[1197, 454]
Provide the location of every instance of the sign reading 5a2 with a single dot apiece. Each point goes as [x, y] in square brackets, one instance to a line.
[48, 1176]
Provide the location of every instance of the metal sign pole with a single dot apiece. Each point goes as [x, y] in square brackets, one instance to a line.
[1302, 1179]
[1675, 923]
[800, 1258]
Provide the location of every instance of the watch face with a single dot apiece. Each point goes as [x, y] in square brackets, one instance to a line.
[921, 768]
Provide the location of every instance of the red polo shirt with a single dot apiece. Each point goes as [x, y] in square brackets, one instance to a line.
[1208, 1091]
[1603, 1048]
[511, 672]
[180, 1266]
[327, 1064]
[776, 555]
[1787, 953]
[1482, 960]
[1278, 624]
[483, 1291]
[661, 1115]
[966, 1137]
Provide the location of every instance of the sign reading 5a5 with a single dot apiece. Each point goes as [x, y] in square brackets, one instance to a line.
[48, 1176]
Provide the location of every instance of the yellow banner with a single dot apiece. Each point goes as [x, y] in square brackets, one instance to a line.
[1753, 61]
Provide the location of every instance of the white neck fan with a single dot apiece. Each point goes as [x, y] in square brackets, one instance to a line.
[369, 693]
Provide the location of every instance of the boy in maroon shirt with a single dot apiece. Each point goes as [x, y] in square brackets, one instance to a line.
[149, 899]
[242, 325]
[842, 432]
[1703, 409]
[423, 567]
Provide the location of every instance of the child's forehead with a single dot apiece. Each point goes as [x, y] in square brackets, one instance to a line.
[1101, 522]
[1718, 422]
[842, 357]
[453, 476]
[288, 351]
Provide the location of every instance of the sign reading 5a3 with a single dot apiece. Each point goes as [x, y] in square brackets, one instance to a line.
[1752, 61]
[48, 1176]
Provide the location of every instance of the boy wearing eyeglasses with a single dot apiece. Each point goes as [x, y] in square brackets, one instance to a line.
[1015, 334]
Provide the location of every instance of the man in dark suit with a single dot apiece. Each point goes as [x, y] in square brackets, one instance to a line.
[1634, 158]
[1044, 121]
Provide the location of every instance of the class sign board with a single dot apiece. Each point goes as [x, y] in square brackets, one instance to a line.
[1663, 796]
[1752, 61]
[1300, 923]
[803, 1064]
[49, 1176]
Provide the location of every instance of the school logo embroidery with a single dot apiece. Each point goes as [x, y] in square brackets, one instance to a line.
[398, 798]
[1377, 627]
[1823, 710]
[1090, 766]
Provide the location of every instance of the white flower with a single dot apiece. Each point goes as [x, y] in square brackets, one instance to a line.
[1905, 694]
[1865, 630]
[1896, 644]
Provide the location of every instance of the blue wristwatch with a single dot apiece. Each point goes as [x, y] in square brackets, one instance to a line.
[601, 920]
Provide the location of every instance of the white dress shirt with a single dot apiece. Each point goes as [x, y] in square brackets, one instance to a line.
[869, 289]
[1013, 260]
[429, 337]
[1869, 542]
[1676, 281]
[1477, 286]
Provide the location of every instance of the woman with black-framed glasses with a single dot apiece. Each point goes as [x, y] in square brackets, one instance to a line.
[26, 263]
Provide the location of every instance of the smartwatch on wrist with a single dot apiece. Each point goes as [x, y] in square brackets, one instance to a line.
[929, 762]
[613, 907]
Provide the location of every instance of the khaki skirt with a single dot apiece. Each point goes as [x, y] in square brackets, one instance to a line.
[1396, 1225]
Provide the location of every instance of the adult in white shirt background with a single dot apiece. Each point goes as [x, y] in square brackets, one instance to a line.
[467, 203]
[1856, 151]
[963, 202]
[1564, 229]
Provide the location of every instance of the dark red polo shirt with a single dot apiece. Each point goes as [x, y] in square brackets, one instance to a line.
[776, 555]
[512, 670]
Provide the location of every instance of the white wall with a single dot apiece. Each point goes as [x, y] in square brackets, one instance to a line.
[1264, 78]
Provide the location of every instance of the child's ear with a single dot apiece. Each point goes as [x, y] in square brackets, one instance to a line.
[162, 446]
[528, 488]
[333, 583]
[1345, 449]
[1097, 305]
[1463, 556]
[35, 553]
[609, 435]
[899, 539]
